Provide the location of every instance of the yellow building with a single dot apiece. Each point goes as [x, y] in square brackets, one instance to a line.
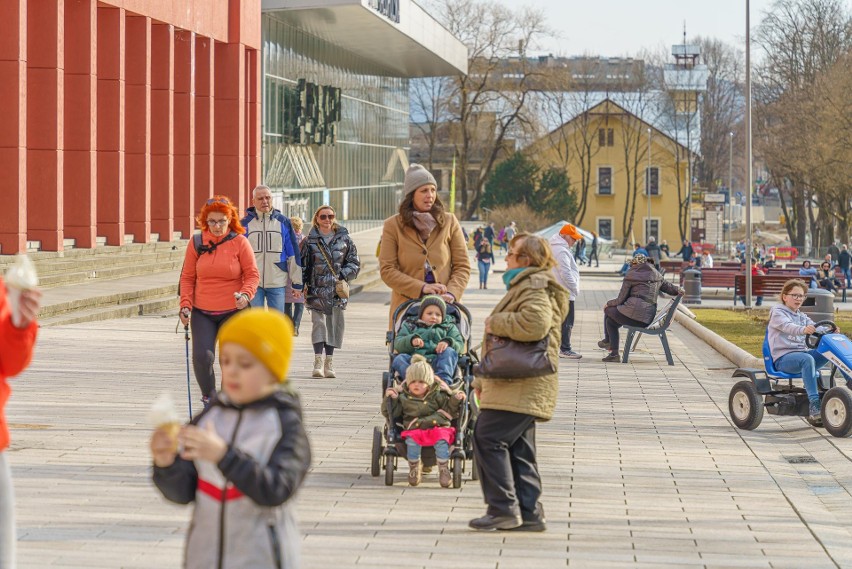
[605, 152]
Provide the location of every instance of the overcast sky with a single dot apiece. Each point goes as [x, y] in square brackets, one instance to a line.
[624, 27]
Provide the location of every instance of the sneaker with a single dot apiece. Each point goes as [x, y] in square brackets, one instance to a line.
[814, 415]
[444, 476]
[328, 370]
[570, 354]
[318, 367]
[414, 475]
[612, 357]
[532, 525]
[603, 344]
[489, 522]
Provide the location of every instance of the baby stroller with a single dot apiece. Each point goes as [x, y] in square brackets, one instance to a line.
[388, 445]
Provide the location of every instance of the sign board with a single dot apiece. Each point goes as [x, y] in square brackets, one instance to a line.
[714, 198]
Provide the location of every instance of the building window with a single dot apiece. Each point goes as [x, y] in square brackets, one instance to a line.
[654, 230]
[605, 181]
[606, 137]
[605, 227]
[610, 137]
[652, 180]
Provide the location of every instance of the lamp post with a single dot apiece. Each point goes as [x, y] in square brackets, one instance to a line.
[748, 156]
[648, 189]
[730, 187]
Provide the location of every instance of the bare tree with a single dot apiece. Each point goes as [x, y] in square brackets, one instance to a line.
[430, 113]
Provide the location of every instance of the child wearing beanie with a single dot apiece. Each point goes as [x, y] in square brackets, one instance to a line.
[426, 407]
[244, 457]
[433, 336]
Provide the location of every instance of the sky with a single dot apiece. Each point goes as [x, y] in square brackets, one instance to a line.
[617, 28]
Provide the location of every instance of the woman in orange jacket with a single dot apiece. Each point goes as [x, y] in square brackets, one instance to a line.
[219, 277]
[16, 351]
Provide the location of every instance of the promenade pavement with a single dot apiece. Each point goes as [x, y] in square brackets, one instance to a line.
[641, 465]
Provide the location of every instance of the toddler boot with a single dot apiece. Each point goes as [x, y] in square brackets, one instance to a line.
[444, 476]
[318, 367]
[414, 474]
[329, 367]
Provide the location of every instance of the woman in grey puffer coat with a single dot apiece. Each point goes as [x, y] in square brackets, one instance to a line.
[327, 242]
[636, 303]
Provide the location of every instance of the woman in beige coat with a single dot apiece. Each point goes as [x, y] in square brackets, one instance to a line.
[504, 436]
[423, 249]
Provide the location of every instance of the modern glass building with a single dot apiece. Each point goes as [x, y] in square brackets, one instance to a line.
[335, 101]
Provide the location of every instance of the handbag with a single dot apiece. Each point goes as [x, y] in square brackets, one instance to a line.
[509, 359]
[341, 287]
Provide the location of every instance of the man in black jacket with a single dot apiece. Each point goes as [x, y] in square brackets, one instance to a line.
[844, 260]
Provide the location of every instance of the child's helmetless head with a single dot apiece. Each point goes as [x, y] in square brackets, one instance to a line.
[432, 309]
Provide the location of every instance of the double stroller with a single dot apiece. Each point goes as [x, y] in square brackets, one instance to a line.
[388, 445]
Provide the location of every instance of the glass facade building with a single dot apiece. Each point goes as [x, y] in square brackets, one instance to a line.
[358, 165]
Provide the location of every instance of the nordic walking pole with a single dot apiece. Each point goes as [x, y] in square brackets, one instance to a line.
[188, 390]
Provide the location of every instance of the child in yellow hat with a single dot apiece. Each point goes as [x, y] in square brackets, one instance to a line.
[244, 457]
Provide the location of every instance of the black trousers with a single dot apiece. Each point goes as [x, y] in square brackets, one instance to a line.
[504, 445]
[594, 255]
[567, 325]
[205, 327]
[613, 320]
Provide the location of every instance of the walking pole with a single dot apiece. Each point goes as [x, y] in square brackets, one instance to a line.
[188, 390]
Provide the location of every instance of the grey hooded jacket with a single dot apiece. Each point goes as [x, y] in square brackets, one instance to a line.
[786, 331]
[243, 517]
[637, 298]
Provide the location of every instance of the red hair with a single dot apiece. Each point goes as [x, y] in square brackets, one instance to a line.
[223, 205]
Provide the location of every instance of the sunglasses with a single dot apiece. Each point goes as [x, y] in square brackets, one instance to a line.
[225, 201]
[326, 216]
[220, 222]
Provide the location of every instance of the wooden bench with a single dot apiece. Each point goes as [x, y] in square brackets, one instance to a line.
[716, 278]
[657, 327]
[672, 266]
[761, 285]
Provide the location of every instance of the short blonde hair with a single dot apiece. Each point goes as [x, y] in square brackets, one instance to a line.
[534, 248]
[297, 223]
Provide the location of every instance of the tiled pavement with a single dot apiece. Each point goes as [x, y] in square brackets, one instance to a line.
[641, 465]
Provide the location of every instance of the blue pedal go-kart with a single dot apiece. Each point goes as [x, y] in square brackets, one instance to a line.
[773, 391]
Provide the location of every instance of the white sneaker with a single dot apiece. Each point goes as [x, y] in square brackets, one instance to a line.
[318, 367]
[571, 355]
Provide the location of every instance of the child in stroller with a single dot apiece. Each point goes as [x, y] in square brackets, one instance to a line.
[427, 408]
[432, 335]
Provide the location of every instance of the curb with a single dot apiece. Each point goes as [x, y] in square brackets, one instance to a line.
[734, 353]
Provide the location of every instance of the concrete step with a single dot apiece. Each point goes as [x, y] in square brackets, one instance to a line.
[100, 250]
[47, 266]
[98, 301]
[157, 305]
[124, 270]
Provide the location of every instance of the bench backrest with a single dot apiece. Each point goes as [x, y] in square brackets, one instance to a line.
[664, 317]
[760, 284]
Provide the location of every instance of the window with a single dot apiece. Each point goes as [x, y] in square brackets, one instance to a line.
[610, 137]
[654, 229]
[606, 137]
[605, 227]
[605, 181]
[602, 137]
[652, 180]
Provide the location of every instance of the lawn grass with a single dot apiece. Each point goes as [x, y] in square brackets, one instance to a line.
[746, 329]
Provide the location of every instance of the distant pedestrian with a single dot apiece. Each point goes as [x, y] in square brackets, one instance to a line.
[423, 249]
[664, 247]
[216, 281]
[511, 231]
[276, 251]
[654, 251]
[686, 251]
[534, 307]
[808, 274]
[706, 259]
[844, 261]
[16, 351]
[834, 251]
[489, 234]
[242, 460]
[294, 301]
[330, 262]
[568, 275]
[594, 250]
[769, 263]
[484, 260]
[580, 250]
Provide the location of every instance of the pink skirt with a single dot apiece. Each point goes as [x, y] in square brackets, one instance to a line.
[428, 437]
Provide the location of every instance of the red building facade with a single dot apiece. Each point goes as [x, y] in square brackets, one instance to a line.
[119, 118]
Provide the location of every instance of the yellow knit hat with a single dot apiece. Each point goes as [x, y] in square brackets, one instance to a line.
[268, 335]
[419, 371]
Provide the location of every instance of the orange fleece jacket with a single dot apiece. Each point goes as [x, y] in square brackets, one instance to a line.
[16, 351]
[209, 282]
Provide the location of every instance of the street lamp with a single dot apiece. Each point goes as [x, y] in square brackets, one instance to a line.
[748, 176]
[730, 188]
[648, 189]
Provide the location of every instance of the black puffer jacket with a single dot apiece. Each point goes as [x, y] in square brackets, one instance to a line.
[316, 274]
[637, 298]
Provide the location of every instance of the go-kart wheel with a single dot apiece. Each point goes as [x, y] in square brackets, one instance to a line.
[837, 411]
[376, 462]
[745, 405]
[389, 466]
[457, 472]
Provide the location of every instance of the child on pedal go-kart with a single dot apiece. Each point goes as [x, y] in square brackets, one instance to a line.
[433, 336]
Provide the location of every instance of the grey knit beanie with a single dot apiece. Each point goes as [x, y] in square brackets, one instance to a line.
[417, 176]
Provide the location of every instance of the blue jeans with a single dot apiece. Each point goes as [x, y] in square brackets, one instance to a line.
[444, 364]
[294, 310]
[274, 298]
[442, 450]
[848, 274]
[483, 272]
[806, 363]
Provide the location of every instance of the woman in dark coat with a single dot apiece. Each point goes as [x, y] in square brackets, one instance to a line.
[327, 243]
[636, 303]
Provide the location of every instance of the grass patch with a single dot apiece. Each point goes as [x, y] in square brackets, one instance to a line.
[746, 329]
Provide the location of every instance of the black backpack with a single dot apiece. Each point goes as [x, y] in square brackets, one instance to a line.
[201, 248]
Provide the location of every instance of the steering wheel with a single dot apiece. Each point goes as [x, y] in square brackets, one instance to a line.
[812, 340]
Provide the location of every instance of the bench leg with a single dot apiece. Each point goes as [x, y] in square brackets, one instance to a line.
[636, 341]
[627, 344]
[665, 342]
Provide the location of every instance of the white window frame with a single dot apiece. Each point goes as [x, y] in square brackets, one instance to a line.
[598, 181]
[611, 220]
[646, 229]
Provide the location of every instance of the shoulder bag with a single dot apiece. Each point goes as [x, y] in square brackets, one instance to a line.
[509, 359]
[341, 287]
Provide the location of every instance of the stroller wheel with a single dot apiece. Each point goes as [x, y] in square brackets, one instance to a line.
[376, 458]
[457, 472]
[389, 466]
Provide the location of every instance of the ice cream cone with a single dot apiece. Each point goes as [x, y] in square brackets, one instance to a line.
[20, 277]
[172, 430]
